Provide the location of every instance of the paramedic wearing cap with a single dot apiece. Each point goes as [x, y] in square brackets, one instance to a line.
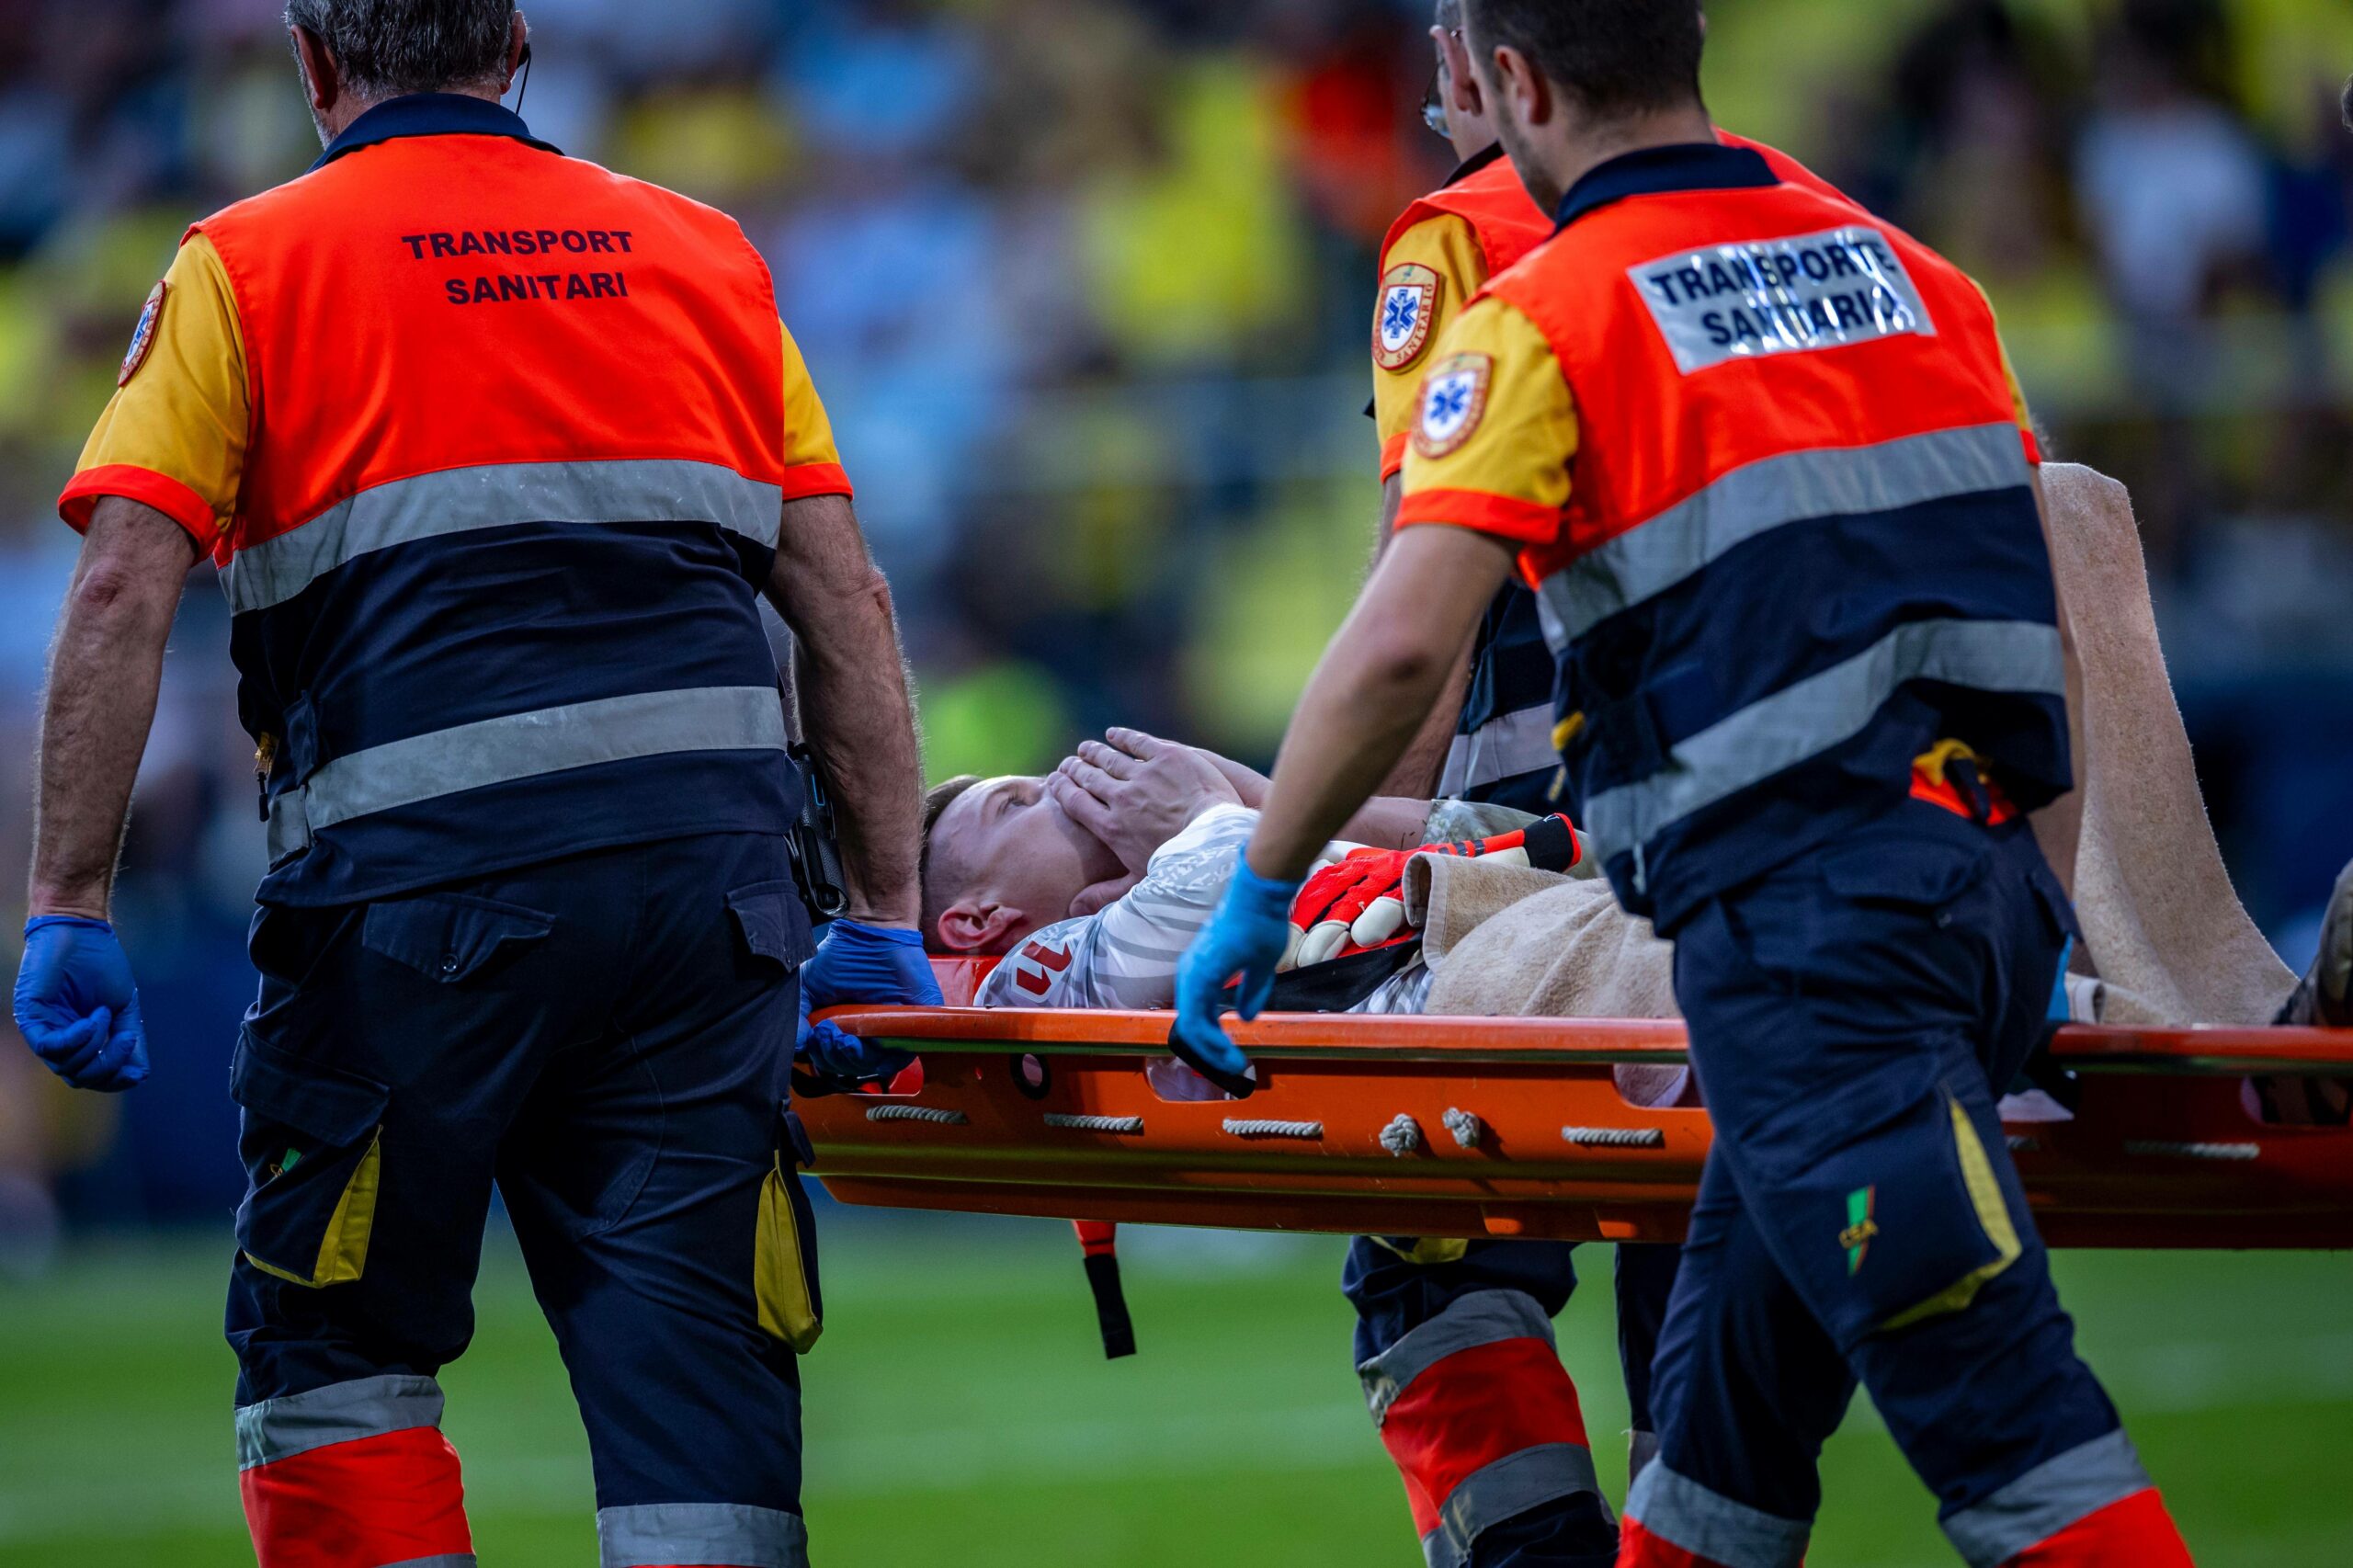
[1811, 669]
[493, 450]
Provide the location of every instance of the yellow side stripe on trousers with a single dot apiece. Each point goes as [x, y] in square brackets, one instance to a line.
[1985, 1197]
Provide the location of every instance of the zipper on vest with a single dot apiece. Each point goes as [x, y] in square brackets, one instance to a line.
[1641, 871]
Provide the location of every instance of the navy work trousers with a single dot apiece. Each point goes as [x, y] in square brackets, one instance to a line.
[1854, 1016]
[607, 1038]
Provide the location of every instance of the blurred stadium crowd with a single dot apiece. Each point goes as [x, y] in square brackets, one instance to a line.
[1084, 284]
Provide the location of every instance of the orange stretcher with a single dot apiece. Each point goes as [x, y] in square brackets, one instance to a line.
[1514, 1127]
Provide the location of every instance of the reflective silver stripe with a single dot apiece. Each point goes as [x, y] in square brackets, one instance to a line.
[1481, 1317]
[1505, 1489]
[1810, 716]
[2047, 1499]
[1681, 1512]
[340, 1413]
[1795, 487]
[457, 500]
[733, 1533]
[1506, 745]
[523, 745]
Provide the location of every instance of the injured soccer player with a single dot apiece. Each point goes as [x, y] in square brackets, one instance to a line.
[1089, 881]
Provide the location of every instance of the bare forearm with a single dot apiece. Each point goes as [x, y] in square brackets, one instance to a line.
[1418, 772]
[1390, 821]
[104, 673]
[1376, 681]
[855, 709]
[1353, 722]
[854, 706]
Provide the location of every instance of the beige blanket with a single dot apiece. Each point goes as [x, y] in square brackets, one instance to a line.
[2165, 933]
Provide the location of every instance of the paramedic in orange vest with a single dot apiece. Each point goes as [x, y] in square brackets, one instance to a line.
[1761, 458]
[1472, 1320]
[494, 451]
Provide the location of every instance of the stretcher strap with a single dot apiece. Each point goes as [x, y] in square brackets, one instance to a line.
[1098, 1239]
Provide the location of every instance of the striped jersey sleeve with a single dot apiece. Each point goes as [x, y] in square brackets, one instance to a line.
[1126, 955]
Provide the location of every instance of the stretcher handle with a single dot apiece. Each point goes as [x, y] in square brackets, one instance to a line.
[1330, 1037]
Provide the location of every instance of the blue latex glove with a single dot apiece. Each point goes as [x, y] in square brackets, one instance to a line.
[77, 1005]
[859, 963]
[1245, 938]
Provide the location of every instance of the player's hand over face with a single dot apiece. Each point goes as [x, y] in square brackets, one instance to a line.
[1137, 802]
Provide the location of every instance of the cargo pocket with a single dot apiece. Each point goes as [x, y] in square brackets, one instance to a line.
[1928, 876]
[1895, 1217]
[793, 1307]
[451, 937]
[313, 1148]
[773, 924]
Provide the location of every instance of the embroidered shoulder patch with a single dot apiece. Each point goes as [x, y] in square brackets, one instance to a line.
[142, 337]
[1409, 300]
[1454, 400]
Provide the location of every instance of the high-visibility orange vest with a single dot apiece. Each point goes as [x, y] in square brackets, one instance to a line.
[516, 472]
[1502, 751]
[1486, 193]
[1800, 546]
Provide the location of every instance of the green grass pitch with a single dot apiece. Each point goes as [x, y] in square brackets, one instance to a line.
[959, 1412]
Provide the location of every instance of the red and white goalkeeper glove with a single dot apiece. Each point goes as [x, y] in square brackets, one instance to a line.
[1357, 903]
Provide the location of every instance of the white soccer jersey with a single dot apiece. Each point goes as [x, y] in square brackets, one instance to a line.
[1125, 955]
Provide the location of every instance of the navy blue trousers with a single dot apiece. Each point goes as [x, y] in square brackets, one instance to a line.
[1854, 1017]
[605, 1038]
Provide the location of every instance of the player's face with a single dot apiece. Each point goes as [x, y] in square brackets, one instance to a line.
[1022, 850]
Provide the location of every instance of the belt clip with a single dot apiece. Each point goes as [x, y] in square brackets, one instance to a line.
[265, 759]
[1970, 785]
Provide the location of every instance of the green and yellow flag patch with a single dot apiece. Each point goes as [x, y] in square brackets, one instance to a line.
[1861, 1227]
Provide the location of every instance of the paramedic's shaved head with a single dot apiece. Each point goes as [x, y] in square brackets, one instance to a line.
[1614, 59]
[1573, 82]
[1001, 859]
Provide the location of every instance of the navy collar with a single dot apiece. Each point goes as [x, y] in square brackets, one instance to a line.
[431, 114]
[1685, 166]
[1473, 163]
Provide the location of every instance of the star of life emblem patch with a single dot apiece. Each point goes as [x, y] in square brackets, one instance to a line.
[1454, 400]
[142, 337]
[1408, 310]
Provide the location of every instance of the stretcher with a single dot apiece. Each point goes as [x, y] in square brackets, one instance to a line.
[1515, 1127]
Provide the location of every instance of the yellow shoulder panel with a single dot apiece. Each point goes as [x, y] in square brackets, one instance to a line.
[808, 432]
[174, 434]
[1427, 274]
[1495, 429]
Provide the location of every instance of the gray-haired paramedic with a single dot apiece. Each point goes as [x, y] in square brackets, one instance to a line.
[495, 451]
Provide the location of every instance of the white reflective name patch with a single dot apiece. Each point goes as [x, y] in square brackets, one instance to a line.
[1786, 296]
